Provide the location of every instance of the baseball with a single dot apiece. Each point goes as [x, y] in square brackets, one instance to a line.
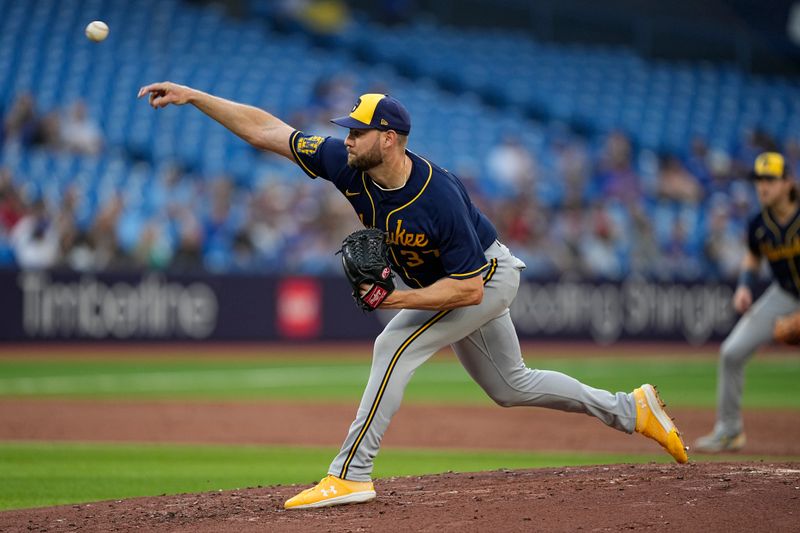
[97, 31]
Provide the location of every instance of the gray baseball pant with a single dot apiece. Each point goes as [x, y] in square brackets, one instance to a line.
[485, 342]
[753, 330]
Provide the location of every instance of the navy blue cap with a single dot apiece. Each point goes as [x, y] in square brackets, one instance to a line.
[377, 111]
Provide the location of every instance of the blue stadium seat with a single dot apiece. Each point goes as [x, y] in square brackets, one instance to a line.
[662, 106]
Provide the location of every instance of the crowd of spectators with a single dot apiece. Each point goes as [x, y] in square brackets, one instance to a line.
[597, 209]
[612, 211]
[70, 129]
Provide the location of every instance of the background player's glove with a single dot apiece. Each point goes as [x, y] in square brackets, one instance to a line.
[787, 329]
[365, 258]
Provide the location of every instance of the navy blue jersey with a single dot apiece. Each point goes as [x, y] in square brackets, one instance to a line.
[780, 244]
[434, 229]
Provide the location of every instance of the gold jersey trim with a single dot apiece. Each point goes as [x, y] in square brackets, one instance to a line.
[771, 224]
[427, 181]
[371, 201]
[468, 274]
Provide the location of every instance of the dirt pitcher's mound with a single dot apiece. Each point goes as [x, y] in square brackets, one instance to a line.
[697, 497]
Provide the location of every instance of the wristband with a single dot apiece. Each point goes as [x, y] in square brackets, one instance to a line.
[747, 279]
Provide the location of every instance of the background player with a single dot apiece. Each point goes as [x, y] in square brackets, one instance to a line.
[775, 234]
[463, 281]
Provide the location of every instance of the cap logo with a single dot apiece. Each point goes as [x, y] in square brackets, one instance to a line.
[365, 108]
[770, 163]
[383, 122]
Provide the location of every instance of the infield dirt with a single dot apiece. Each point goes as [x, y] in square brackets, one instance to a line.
[654, 497]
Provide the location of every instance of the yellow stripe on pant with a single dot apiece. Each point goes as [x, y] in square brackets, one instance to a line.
[430, 322]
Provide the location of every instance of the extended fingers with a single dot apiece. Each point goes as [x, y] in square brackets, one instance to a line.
[157, 98]
[158, 94]
[153, 87]
[164, 93]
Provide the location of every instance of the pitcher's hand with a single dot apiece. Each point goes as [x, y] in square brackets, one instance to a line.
[164, 93]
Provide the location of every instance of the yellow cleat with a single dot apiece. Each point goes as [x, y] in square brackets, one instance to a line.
[332, 491]
[652, 421]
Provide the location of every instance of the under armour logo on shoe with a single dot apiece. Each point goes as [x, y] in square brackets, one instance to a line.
[332, 490]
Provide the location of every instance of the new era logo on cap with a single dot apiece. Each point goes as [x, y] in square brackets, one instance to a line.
[377, 111]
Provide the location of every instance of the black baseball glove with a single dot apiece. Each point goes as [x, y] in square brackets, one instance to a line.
[365, 258]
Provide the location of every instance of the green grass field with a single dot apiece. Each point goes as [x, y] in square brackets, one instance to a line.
[40, 474]
[686, 380]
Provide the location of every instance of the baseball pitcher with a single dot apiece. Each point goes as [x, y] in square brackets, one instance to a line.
[462, 280]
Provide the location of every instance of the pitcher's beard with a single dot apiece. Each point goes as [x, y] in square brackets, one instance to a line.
[368, 161]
